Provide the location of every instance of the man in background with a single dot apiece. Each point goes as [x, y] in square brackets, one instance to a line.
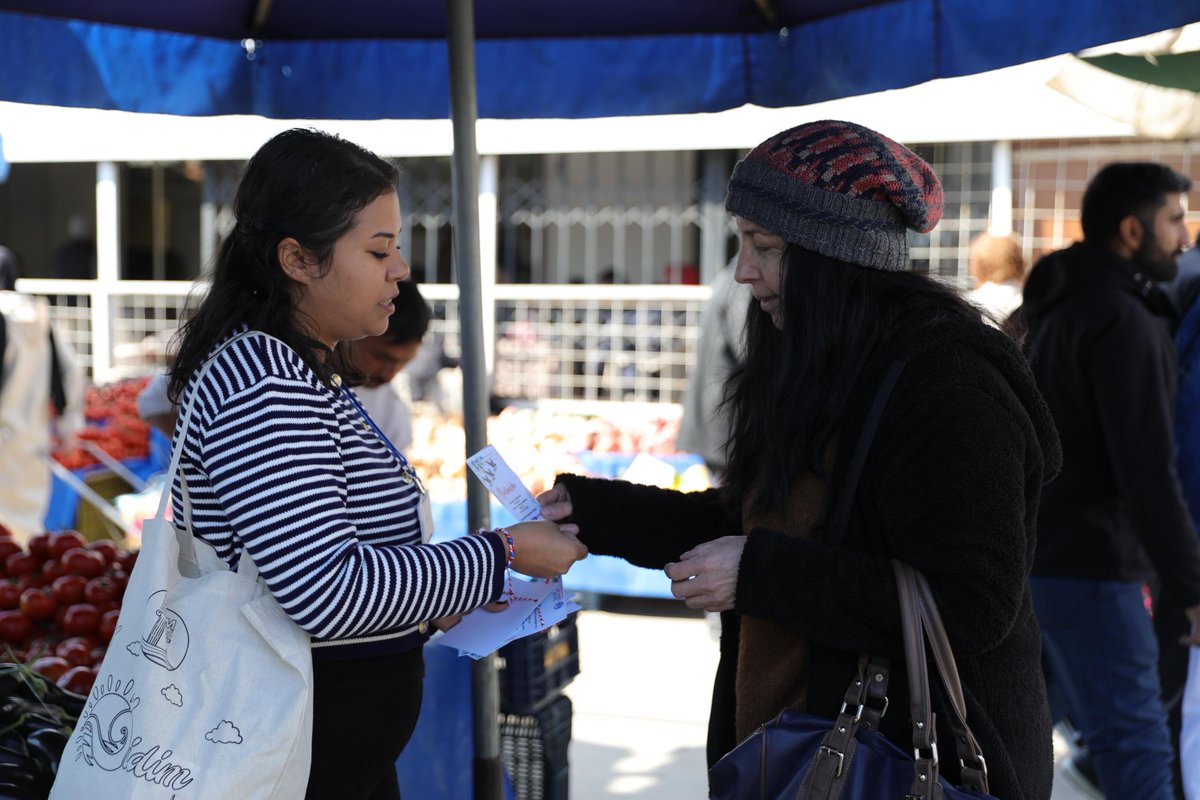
[1100, 346]
[380, 359]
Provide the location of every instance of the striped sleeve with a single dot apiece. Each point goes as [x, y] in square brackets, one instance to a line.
[274, 451]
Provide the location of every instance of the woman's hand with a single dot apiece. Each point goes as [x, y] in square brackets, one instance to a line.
[556, 505]
[542, 550]
[446, 623]
[706, 576]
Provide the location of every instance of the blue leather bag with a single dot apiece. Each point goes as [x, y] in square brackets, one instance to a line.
[805, 757]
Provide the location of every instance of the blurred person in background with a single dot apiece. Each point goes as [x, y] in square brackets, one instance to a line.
[997, 266]
[41, 401]
[381, 358]
[704, 426]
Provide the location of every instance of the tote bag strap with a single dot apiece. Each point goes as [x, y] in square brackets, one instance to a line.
[187, 543]
[921, 621]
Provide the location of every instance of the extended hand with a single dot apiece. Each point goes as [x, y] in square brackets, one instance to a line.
[706, 576]
[556, 505]
[544, 551]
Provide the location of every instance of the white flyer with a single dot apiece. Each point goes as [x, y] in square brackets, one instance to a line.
[495, 473]
[533, 604]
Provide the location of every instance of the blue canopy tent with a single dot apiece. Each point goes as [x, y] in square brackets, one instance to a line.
[367, 59]
[371, 59]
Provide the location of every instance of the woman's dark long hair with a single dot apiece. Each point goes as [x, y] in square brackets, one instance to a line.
[303, 184]
[788, 397]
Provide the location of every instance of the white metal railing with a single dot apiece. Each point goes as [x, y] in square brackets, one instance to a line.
[549, 342]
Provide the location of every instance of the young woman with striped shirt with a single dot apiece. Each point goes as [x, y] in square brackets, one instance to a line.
[283, 466]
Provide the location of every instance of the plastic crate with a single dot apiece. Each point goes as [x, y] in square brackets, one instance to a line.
[533, 749]
[538, 666]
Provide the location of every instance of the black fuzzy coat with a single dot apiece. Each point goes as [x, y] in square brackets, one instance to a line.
[951, 486]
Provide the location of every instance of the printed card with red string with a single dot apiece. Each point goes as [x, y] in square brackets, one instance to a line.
[533, 604]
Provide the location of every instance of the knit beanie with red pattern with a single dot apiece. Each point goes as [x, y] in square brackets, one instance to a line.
[840, 189]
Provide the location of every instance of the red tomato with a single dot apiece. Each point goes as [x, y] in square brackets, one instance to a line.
[51, 667]
[5, 531]
[100, 590]
[63, 541]
[77, 679]
[38, 603]
[106, 548]
[98, 654]
[128, 558]
[81, 561]
[75, 650]
[31, 580]
[19, 564]
[10, 595]
[7, 548]
[39, 545]
[51, 569]
[119, 576]
[81, 619]
[108, 625]
[68, 589]
[14, 626]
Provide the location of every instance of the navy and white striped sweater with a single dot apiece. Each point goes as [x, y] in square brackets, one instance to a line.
[283, 467]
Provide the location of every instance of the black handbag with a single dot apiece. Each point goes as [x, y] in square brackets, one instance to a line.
[801, 756]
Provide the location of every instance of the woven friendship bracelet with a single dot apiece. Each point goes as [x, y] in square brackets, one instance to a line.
[511, 555]
[512, 547]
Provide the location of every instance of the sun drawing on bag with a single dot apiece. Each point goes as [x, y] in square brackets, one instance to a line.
[166, 641]
[106, 728]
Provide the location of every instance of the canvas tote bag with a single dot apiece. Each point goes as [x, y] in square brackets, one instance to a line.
[206, 689]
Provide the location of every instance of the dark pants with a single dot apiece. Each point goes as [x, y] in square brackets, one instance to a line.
[1170, 623]
[1100, 639]
[364, 713]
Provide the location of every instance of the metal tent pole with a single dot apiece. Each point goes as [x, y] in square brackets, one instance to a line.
[485, 697]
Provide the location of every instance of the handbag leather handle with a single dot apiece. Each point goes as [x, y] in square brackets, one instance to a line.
[923, 622]
[920, 706]
[970, 754]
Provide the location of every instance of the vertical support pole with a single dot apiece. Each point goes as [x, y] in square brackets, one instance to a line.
[489, 215]
[1001, 223]
[158, 222]
[208, 219]
[485, 697]
[108, 267]
[712, 215]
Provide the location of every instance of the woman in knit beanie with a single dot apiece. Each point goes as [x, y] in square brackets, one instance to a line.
[794, 549]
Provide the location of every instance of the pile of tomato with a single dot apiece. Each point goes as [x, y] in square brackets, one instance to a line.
[59, 601]
[113, 424]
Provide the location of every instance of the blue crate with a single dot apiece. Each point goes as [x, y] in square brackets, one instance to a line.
[538, 666]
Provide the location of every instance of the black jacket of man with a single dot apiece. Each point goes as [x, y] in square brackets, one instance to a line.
[1100, 347]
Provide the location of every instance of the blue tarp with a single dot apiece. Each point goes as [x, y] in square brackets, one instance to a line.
[550, 68]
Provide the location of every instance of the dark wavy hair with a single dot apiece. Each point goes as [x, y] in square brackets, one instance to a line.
[788, 397]
[303, 184]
